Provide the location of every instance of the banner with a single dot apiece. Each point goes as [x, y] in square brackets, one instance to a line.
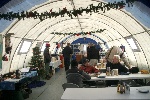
[1, 49]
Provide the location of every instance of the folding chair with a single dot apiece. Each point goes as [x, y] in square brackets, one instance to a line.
[148, 83]
[69, 85]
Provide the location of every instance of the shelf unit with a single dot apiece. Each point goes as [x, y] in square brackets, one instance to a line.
[75, 48]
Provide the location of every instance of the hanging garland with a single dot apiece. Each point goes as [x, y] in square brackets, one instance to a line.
[81, 33]
[75, 12]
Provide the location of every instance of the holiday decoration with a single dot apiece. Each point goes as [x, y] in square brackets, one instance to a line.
[5, 58]
[1, 50]
[81, 33]
[75, 12]
[37, 62]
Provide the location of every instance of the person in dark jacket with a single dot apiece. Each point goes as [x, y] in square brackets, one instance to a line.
[47, 60]
[76, 76]
[88, 51]
[67, 51]
[94, 55]
[116, 65]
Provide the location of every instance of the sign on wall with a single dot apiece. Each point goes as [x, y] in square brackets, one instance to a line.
[1, 49]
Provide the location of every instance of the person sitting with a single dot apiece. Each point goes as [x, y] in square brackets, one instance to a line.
[86, 67]
[76, 76]
[117, 65]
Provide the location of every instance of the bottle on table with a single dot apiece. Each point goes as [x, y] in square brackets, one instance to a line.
[108, 71]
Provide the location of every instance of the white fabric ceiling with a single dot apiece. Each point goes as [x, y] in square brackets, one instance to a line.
[118, 24]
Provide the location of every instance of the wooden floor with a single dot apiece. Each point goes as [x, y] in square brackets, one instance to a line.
[52, 90]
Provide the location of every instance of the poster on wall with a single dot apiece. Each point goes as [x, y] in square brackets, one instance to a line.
[1, 49]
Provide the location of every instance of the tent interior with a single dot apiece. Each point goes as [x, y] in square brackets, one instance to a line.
[128, 26]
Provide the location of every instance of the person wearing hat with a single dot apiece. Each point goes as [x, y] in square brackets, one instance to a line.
[114, 50]
[47, 60]
[86, 67]
[76, 76]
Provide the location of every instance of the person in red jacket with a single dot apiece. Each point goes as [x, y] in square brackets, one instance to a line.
[86, 67]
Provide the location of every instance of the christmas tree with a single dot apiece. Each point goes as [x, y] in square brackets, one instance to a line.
[37, 62]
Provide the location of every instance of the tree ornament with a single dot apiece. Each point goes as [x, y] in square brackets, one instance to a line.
[77, 34]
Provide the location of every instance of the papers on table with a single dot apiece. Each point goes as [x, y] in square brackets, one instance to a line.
[102, 75]
[12, 80]
[23, 70]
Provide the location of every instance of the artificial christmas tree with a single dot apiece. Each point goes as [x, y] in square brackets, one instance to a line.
[37, 62]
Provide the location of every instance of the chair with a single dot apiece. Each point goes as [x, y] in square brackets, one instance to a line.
[148, 83]
[75, 78]
[69, 85]
[132, 83]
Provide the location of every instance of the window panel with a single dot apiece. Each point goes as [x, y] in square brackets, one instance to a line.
[24, 48]
[133, 43]
[43, 47]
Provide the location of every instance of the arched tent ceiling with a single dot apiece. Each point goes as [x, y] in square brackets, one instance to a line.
[110, 20]
[118, 24]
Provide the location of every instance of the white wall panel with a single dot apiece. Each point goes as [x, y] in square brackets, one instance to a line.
[23, 27]
[133, 27]
[143, 42]
[21, 61]
[140, 56]
[129, 53]
[104, 22]
[14, 52]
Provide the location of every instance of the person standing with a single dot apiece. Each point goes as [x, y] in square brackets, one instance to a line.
[94, 55]
[47, 60]
[67, 51]
[115, 51]
[88, 51]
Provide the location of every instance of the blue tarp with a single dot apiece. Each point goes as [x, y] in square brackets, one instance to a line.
[3, 2]
[10, 85]
[146, 2]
